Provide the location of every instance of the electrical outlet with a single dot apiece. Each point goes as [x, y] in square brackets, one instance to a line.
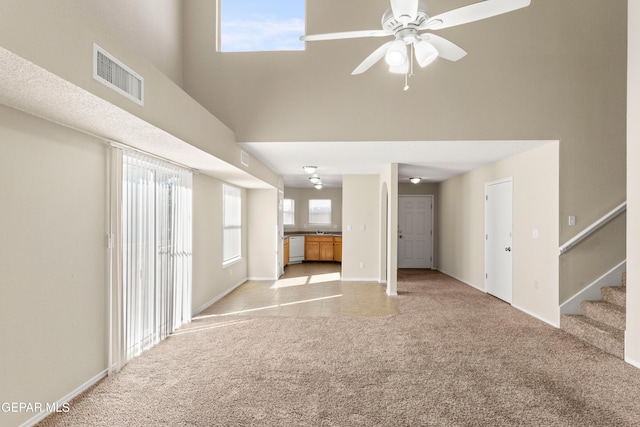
[361, 264]
[535, 284]
[572, 220]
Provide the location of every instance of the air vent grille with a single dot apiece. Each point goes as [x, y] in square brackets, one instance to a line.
[117, 76]
[244, 158]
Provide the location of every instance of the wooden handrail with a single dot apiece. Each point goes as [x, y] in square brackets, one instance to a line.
[593, 228]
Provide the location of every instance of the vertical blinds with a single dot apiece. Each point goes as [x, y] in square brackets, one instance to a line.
[156, 250]
[232, 223]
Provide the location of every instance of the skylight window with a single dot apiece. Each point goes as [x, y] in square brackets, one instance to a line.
[260, 25]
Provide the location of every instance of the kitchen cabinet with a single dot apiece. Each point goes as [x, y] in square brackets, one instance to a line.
[319, 248]
[285, 260]
[337, 249]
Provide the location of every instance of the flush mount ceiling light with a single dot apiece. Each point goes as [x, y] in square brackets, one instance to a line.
[415, 180]
[318, 186]
[406, 20]
[314, 179]
[309, 169]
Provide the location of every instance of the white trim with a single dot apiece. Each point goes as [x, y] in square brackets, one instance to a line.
[263, 279]
[555, 324]
[232, 261]
[66, 399]
[361, 279]
[592, 290]
[628, 359]
[463, 281]
[217, 298]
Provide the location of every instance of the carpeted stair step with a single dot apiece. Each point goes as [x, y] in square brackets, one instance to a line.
[607, 313]
[598, 334]
[616, 295]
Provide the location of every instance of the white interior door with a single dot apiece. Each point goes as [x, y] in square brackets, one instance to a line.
[498, 239]
[415, 232]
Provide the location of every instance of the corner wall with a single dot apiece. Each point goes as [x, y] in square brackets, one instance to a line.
[212, 280]
[535, 206]
[53, 268]
[360, 235]
[632, 336]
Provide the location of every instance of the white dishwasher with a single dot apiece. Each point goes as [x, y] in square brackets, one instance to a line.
[296, 249]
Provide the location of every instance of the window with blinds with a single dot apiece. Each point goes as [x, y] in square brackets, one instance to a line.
[232, 223]
[320, 211]
[156, 251]
[289, 211]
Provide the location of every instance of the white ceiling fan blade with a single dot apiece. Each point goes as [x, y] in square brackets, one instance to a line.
[474, 12]
[446, 49]
[345, 35]
[404, 11]
[370, 60]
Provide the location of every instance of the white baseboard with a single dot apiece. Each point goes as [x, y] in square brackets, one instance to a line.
[555, 324]
[463, 281]
[628, 359]
[217, 298]
[262, 279]
[360, 279]
[632, 362]
[592, 291]
[66, 399]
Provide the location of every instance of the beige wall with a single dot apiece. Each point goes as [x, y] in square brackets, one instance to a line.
[211, 279]
[52, 261]
[302, 197]
[262, 228]
[361, 231]
[58, 37]
[564, 82]
[632, 338]
[152, 27]
[535, 205]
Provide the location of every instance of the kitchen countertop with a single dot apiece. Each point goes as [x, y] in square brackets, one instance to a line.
[311, 233]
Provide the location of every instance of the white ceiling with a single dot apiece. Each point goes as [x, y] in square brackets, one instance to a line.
[434, 161]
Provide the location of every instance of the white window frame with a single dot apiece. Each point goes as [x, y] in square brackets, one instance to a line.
[311, 220]
[291, 212]
[268, 23]
[231, 224]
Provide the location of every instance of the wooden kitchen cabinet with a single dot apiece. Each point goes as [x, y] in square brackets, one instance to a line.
[285, 261]
[319, 248]
[337, 249]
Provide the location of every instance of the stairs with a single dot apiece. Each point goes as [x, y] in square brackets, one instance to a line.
[601, 323]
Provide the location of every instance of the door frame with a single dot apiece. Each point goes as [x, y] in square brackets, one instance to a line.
[432, 238]
[486, 251]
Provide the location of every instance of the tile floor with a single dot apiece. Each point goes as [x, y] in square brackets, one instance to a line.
[310, 289]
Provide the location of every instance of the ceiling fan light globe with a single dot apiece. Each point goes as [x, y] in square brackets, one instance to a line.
[400, 69]
[426, 53]
[396, 54]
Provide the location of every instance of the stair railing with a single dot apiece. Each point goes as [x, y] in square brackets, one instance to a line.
[593, 228]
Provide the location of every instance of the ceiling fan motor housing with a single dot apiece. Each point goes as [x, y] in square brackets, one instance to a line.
[393, 25]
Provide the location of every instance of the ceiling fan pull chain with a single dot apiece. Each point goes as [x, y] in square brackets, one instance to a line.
[412, 52]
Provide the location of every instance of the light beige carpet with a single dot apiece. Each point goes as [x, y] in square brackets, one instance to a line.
[453, 356]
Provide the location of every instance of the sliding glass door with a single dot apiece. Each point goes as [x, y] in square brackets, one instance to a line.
[154, 286]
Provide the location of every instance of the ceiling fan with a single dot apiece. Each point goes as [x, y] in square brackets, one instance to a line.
[406, 20]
